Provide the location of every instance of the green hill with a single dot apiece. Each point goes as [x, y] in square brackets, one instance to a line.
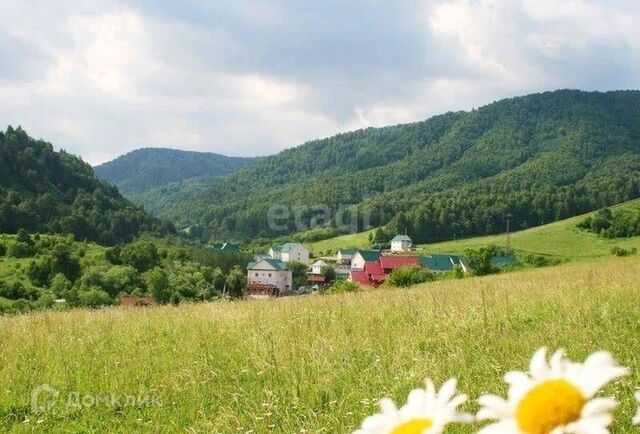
[541, 158]
[45, 191]
[562, 239]
[157, 178]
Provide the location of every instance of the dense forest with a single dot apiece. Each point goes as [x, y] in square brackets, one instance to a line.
[55, 271]
[156, 178]
[536, 159]
[45, 191]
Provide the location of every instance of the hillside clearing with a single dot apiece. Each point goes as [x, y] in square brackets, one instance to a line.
[561, 239]
[313, 364]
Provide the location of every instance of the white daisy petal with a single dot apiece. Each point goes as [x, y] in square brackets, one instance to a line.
[538, 366]
[432, 411]
[555, 397]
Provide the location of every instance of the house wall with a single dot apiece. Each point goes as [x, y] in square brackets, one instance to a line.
[275, 254]
[400, 246]
[279, 278]
[344, 259]
[299, 253]
[357, 263]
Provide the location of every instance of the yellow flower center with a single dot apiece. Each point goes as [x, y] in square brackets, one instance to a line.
[549, 405]
[413, 426]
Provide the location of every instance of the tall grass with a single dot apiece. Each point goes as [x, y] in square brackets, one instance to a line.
[314, 364]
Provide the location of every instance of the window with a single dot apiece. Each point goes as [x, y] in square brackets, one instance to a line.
[269, 274]
[256, 274]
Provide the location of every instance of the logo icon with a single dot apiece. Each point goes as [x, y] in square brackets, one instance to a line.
[43, 398]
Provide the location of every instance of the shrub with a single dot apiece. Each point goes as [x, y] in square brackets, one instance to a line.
[344, 286]
[3, 249]
[619, 251]
[329, 273]
[409, 275]
[94, 297]
[17, 290]
[480, 260]
[540, 260]
[19, 249]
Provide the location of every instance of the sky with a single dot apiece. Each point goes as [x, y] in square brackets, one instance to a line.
[252, 77]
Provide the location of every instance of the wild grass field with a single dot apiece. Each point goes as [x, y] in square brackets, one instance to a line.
[314, 364]
[560, 239]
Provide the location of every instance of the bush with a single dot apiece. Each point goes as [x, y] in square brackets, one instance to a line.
[409, 275]
[344, 286]
[480, 260]
[19, 249]
[94, 298]
[141, 255]
[540, 260]
[619, 251]
[3, 249]
[17, 290]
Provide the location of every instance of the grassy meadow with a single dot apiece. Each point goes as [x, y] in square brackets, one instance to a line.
[315, 364]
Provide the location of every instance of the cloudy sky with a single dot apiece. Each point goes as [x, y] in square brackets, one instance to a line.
[100, 78]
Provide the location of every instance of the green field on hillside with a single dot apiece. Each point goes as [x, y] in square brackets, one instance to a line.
[561, 239]
[359, 240]
[311, 364]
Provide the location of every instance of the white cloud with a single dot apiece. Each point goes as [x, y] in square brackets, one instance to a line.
[252, 77]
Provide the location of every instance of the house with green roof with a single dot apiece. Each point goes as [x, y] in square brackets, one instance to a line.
[504, 261]
[443, 263]
[290, 252]
[268, 277]
[401, 243]
[230, 247]
[363, 256]
[345, 256]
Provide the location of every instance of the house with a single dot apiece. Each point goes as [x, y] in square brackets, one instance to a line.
[130, 300]
[388, 263]
[268, 277]
[229, 247]
[316, 267]
[345, 256]
[371, 274]
[504, 261]
[443, 263]
[362, 256]
[290, 252]
[401, 243]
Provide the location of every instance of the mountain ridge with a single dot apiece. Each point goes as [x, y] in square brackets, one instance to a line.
[150, 167]
[540, 157]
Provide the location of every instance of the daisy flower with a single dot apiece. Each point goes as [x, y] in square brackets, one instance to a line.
[427, 411]
[636, 418]
[555, 397]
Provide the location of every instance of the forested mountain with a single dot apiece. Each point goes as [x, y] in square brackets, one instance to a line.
[42, 190]
[147, 168]
[537, 158]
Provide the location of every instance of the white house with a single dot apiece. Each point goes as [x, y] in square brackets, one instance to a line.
[362, 256]
[401, 243]
[268, 277]
[290, 252]
[345, 256]
[316, 267]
